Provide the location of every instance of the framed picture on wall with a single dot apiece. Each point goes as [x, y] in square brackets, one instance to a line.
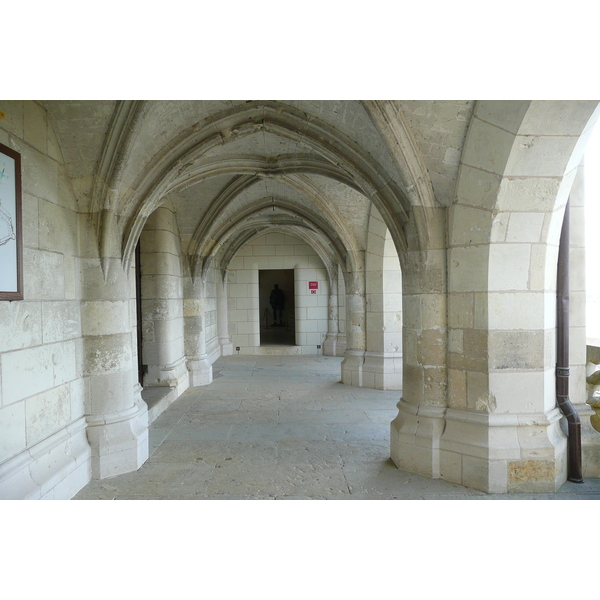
[11, 240]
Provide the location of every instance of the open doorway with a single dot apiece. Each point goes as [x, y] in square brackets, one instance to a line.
[277, 319]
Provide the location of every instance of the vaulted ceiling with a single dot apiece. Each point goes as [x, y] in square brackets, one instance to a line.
[320, 164]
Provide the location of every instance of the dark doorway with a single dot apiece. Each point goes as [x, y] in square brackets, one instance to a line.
[280, 331]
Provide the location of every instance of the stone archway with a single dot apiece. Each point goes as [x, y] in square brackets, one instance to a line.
[502, 428]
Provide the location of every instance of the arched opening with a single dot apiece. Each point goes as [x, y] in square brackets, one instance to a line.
[272, 253]
[160, 301]
[504, 233]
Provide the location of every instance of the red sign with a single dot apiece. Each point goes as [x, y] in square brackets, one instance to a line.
[313, 285]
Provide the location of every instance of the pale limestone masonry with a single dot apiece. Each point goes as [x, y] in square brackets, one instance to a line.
[432, 228]
[277, 251]
[163, 353]
[44, 452]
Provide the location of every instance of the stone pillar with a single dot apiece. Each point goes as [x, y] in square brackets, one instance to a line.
[162, 305]
[198, 364]
[503, 431]
[331, 339]
[352, 365]
[117, 417]
[383, 359]
[223, 315]
[341, 297]
[416, 431]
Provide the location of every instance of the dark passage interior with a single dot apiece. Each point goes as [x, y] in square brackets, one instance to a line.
[276, 327]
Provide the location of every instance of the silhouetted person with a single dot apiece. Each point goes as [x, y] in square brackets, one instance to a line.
[277, 302]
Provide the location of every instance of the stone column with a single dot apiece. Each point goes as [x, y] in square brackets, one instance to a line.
[117, 417]
[162, 305]
[383, 358]
[352, 365]
[331, 339]
[416, 431]
[341, 297]
[223, 315]
[198, 365]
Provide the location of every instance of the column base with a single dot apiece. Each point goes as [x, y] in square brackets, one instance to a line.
[119, 441]
[352, 368]
[54, 469]
[500, 453]
[383, 370]
[330, 345]
[200, 370]
[415, 438]
[226, 346]
[172, 376]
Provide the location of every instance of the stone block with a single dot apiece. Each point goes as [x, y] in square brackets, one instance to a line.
[44, 277]
[110, 353]
[457, 389]
[39, 174]
[110, 392]
[30, 221]
[64, 362]
[104, 317]
[451, 466]
[532, 194]
[46, 413]
[468, 269]
[21, 324]
[160, 240]
[431, 348]
[478, 188]
[507, 114]
[499, 227]
[78, 393]
[12, 430]
[533, 476]
[460, 311]
[485, 475]
[509, 267]
[525, 227]
[487, 147]
[517, 349]
[57, 228]
[161, 286]
[13, 116]
[514, 310]
[469, 225]
[36, 126]
[557, 117]
[26, 372]
[540, 156]
[519, 392]
[161, 263]
[60, 321]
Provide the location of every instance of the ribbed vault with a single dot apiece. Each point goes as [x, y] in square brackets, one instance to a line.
[238, 146]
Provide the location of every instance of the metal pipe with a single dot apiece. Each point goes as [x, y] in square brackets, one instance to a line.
[574, 470]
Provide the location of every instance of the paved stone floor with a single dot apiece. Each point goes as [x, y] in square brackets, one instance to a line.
[283, 427]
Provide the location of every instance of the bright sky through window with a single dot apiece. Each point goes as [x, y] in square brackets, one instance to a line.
[592, 237]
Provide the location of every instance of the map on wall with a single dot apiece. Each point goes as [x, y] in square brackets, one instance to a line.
[8, 217]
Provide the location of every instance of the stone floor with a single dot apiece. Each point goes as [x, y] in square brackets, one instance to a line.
[283, 427]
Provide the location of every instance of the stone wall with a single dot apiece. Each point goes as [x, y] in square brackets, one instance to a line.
[277, 251]
[43, 447]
